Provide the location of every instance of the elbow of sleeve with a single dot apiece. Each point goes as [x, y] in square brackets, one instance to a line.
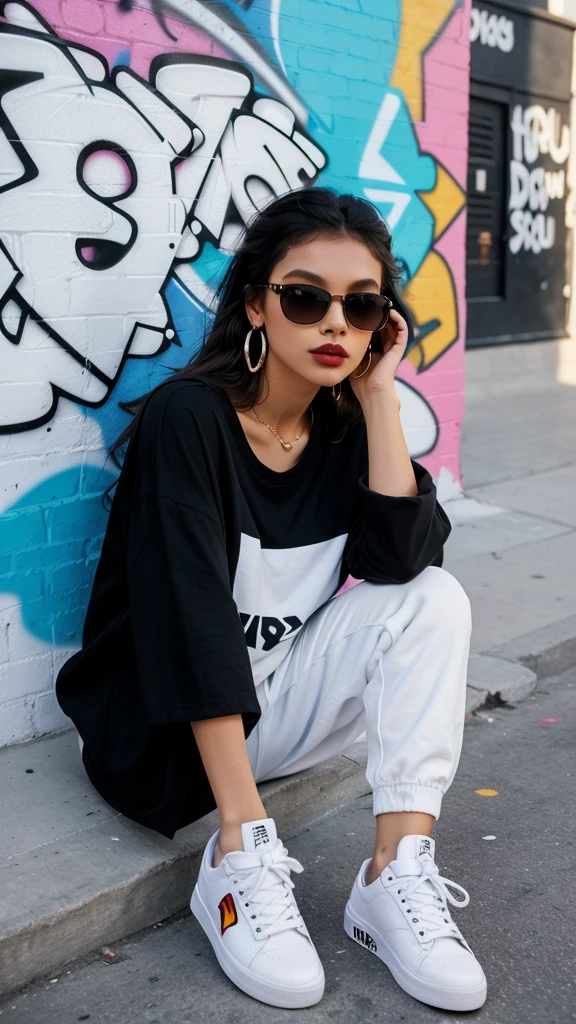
[384, 567]
[430, 551]
[409, 571]
[380, 561]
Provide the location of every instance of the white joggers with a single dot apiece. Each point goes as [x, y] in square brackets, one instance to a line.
[390, 659]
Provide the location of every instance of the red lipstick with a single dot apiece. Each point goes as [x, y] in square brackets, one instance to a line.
[330, 354]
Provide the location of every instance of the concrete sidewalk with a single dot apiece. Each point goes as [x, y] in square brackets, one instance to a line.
[516, 922]
[71, 885]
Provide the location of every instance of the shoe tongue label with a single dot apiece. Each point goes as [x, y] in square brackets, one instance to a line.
[412, 847]
[258, 835]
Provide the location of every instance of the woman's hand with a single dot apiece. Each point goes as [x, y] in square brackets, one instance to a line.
[380, 376]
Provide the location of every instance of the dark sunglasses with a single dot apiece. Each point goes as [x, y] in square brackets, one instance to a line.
[306, 304]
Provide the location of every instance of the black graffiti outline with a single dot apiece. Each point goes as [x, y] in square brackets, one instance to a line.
[112, 248]
[431, 325]
[163, 60]
[109, 84]
[127, 6]
[159, 6]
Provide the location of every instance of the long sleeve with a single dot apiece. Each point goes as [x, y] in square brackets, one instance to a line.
[191, 655]
[392, 539]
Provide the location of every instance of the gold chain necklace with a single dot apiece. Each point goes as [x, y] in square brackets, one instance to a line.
[287, 445]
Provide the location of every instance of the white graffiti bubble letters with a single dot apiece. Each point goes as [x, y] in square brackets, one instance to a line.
[527, 187]
[101, 197]
[533, 232]
[88, 228]
[253, 149]
[535, 132]
[492, 30]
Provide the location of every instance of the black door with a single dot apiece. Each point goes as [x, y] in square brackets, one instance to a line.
[517, 266]
[516, 261]
[485, 242]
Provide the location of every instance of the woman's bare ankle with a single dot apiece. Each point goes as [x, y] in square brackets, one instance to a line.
[230, 838]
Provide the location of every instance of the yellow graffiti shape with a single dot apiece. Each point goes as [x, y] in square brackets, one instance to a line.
[444, 201]
[421, 21]
[431, 299]
[430, 294]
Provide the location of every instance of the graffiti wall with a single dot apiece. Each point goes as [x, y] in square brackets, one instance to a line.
[137, 138]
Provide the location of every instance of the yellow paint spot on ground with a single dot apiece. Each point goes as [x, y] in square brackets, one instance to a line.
[487, 792]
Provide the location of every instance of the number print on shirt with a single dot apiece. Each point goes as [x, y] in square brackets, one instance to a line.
[270, 629]
[277, 589]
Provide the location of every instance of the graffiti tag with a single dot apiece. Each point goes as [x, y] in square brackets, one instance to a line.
[535, 132]
[492, 30]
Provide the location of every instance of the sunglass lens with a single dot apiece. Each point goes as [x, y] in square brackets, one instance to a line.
[366, 311]
[304, 304]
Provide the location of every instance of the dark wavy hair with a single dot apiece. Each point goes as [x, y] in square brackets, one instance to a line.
[291, 219]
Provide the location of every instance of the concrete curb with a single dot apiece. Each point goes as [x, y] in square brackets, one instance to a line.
[547, 651]
[149, 879]
[513, 669]
[512, 680]
[107, 887]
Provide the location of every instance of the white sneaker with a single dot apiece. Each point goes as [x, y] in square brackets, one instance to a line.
[249, 913]
[404, 918]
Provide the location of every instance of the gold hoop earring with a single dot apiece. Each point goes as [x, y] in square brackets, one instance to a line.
[263, 344]
[356, 375]
[335, 396]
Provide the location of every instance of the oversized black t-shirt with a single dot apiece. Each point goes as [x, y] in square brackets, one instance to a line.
[211, 565]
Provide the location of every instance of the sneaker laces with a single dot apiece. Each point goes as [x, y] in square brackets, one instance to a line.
[267, 885]
[427, 895]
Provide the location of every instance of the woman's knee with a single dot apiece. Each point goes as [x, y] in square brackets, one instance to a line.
[444, 596]
[440, 598]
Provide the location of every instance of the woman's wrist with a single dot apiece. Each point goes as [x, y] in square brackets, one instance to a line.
[390, 470]
[381, 399]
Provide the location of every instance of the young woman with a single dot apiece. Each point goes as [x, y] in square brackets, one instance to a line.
[217, 651]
